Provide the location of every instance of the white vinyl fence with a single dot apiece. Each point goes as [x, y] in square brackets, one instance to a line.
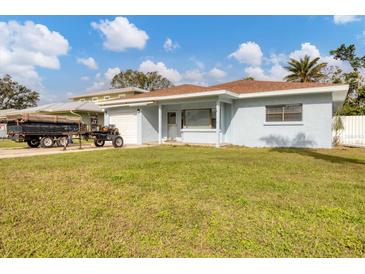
[354, 130]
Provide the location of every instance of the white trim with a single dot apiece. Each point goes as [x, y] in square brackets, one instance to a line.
[218, 122]
[172, 97]
[109, 91]
[129, 105]
[198, 130]
[160, 124]
[342, 89]
[327, 89]
[299, 123]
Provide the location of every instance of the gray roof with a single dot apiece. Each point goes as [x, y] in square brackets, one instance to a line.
[109, 91]
[56, 107]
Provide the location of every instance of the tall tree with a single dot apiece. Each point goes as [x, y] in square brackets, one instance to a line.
[133, 78]
[355, 101]
[14, 95]
[305, 70]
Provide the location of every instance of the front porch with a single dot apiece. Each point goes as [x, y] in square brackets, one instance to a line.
[195, 122]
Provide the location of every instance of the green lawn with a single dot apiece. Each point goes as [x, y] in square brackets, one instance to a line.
[4, 143]
[184, 202]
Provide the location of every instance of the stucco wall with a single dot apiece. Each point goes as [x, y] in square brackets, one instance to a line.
[250, 129]
[149, 124]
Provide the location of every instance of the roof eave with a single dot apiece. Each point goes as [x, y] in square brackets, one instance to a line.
[339, 90]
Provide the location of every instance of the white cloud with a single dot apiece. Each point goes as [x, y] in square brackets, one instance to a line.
[103, 81]
[306, 49]
[194, 75]
[344, 19]
[275, 58]
[276, 73]
[169, 45]
[88, 62]
[120, 34]
[248, 53]
[149, 66]
[111, 72]
[23, 47]
[217, 73]
[85, 78]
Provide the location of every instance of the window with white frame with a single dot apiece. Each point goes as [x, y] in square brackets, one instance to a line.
[106, 97]
[94, 99]
[198, 118]
[284, 113]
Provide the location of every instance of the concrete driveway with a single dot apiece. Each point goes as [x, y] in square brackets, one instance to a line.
[26, 152]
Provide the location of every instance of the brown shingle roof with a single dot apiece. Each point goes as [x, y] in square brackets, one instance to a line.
[239, 86]
[249, 86]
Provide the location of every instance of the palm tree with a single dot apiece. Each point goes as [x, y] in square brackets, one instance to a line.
[305, 70]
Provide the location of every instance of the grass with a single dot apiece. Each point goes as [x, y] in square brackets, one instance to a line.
[4, 143]
[184, 202]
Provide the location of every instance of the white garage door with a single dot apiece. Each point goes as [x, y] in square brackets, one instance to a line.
[126, 122]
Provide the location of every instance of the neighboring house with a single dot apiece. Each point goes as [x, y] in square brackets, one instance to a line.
[91, 114]
[109, 94]
[244, 112]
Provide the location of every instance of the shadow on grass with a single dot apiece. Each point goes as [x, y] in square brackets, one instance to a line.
[321, 156]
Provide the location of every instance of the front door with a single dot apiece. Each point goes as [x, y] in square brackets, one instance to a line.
[171, 126]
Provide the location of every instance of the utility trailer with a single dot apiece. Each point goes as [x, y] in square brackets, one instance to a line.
[49, 130]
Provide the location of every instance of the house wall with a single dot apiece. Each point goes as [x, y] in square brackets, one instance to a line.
[249, 128]
[149, 124]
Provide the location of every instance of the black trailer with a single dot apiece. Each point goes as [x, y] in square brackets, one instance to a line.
[49, 130]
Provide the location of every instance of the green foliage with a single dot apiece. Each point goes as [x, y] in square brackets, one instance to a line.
[14, 95]
[305, 70]
[133, 78]
[333, 74]
[355, 101]
[249, 78]
[337, 127]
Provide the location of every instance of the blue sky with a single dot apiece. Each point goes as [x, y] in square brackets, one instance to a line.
[65, 55]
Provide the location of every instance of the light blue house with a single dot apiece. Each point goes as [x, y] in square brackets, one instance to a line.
[245, 112]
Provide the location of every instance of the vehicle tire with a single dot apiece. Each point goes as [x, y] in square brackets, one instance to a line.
[118, 142]
[99, 143]
[33, 143]
[47, 142]
[61, 142]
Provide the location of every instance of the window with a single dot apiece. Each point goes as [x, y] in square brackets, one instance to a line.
[199, 118]
[82, 100]
[284, 113]
[106, 97]
[171, 118]
[94, 99]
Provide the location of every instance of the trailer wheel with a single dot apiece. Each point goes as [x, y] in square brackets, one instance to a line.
[47, 142]
[118, 142]
[62, 141]
[34, 142]
[99, 143]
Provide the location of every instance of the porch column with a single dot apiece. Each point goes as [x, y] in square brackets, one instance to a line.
[218, 122]
[159, 123]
